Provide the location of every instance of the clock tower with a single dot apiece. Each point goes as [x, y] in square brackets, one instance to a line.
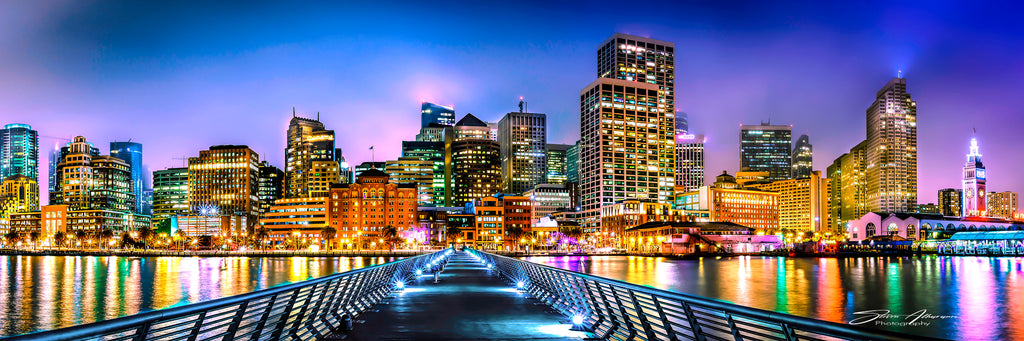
[974, 184]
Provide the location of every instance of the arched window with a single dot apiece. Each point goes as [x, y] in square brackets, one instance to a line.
[870, 230]
[911, 232]
[982, 227]
[894, 229]
[962, 227]
[972, 228]
[938, 226]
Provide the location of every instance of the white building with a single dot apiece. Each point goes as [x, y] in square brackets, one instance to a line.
[915, 226]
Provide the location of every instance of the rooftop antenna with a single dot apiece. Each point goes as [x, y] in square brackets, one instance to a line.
[317, 115]
[373, 159]
[522, 104]
[899, 74]
[293, 111]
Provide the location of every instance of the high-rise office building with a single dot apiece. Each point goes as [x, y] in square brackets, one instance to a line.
[269, 187]
[641, 60]
[523, 140]
[766, 148]
[1003, 205]
[434, 152]
[689, 161]
[19, 151]
[891, 153]
[131, 153]
[224, 179]
[18, 194]
[803, 203]
[368, 165]
[86, 181]
[557, 163]
[415, 172]
[572, 163]
[436, 114]
[682, 123]
[311, 165]
[949, 201]
[170, 193]
[802, 157]
[474, 168]
[847, 192]
[974, 203]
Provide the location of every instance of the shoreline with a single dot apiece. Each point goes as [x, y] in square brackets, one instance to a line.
[162, 253]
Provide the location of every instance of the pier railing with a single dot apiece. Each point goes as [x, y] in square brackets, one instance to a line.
[617, 310]
[300, 311]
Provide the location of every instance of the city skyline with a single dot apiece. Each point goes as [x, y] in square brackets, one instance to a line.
[114, 93]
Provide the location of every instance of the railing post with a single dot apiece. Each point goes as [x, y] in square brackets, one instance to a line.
[732, 328]
[694, 324]
[194, 333]
[279, 327]
[263, 319]
[664, 319]
[642, 316]
[233, 328]
[142, 332]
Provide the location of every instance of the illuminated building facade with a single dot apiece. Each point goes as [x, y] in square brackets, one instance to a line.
[803, 203]
[269, 186]
[211, 225]
[726, 201]
[523, 140]
[414, 172]
[51, 219]
[891, 151]
[434, 152]
[557, 169]
[358, 212]
[950, 200]
[689, 161]
[474, 168]
[766, 148]
[300, 218]
[974, 201]
[365, 166]
[86, 181]
[431, 113]
[18, 193]
[225, 178]
[1003, 205]
[546, 199]
[311, 165]
[170, 193]
[19, 151]
[621, 216]
[131, 153]
[803, 157]
[494, 215]
[848, 187]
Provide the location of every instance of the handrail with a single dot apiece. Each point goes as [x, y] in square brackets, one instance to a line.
[614, 309]
[303, 310]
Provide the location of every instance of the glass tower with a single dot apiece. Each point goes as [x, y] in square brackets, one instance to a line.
[802, 157]
[439, 114]
[766, 148]
[523, 140]
[892, 150]
[19, 151]
[170, 193]
[131, 153]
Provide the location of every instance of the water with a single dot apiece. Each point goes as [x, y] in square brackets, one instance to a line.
[48, 292]
[983, 297]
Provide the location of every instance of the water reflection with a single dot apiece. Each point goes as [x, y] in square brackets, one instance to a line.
[47, 292]
[985, 294]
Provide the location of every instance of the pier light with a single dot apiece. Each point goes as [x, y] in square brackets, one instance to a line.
[577, 319]
[520, 285]
[419, 272]
[400, 285]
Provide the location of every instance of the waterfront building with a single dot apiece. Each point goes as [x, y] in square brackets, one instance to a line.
[18, 193]
[621, 216]
[131, 153]
[848, 187]
[914, 226]
[726, 201]
[225, 178]
[689, 161]
[803, 157]
[88, 181]
[1003, 205]
[522, 137]
[434, 152]
[269, 186]
[311, 165]
[474, 168]
[687, 237]
[434, 222]
[974, 203]
[296, 219]
[495, 215]
[803, 203]
[359, 211]
[431, 113]
[19, 151]
[949, 201]
[225, 226]
[766, 148]
[557, 168]
[170, 193]
[413, 171]
[929, 208]
[51, 219]
[548, 198]
[891, 151]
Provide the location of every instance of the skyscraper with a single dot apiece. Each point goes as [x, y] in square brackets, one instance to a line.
[416, 172]
[557, 163]
[645, 61]
[682, 123]
[170, 193]
[474, 168]
[523, 140]
[572, 163]
[311, 165]
[974, 203]
[950, 200]
[802, 157]
[848, 189]
[1003, 205]
[434, 152]
[270, 186]
[439, 114]
[131, 153]
[224, 179]
[19, 151]
[689, 161]
[18, 194]
[766, 148]
[86, 181]
[891, 152]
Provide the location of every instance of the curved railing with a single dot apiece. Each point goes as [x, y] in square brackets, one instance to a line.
[617, 310]
[299, 311]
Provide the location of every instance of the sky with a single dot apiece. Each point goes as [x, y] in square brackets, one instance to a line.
[180, 76]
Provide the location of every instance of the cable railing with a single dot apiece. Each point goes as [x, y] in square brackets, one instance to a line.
[617, 310]
[306, 310]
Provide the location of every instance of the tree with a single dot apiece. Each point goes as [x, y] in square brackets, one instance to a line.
[127, 241]
[452, 234]
[146, 236]
[181, 237]
[81, 236]
[105, 235]
[260, 235]
[573, 232]
[328, 233]
[60, 238]
[514, 234]
[12, 238]
[34, 238]
[390, 234]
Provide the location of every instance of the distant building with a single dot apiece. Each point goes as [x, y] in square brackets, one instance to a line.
[87, 181]
[950, 200]
[547, 199]
[766, 148]
[365, 166]
[298, 218]
[51, 219]
[1003, 205]
[413, 171]
[848, 187]
[358, 212]
[226, 226]
[750, 178]
[572, 163]
[929, 208]
[621, 216]
[495, 215]
[269, 186]
[522, 137]
[803, 203]
[698, 237]
[131, 153]
[311, 163]
[974, 203]
[689, 161]
[19, 151]
[682, 123]
[913, 226]
[891, 151]
[726, 201]
[557, 168]
[431, 113]
[435, 153]
[475, 166]
[224, 179]
[18, 194]
[803, 157]
[170, 193]
[433, 133]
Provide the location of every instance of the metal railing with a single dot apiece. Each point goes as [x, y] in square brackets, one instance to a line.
[299, 311]
[617, 310]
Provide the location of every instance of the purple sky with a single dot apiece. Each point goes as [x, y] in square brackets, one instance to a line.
[181, 76]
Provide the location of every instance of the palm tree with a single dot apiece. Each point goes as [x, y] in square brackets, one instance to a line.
[81, 236]
[146, 235]
[390, 234]
[514, 234]
[12, 238]
[328, 233]
[34, 238]
[105, 235]
[60, 238]
[180, 235]
[451, 234]
[260, 236]
[573, 232]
